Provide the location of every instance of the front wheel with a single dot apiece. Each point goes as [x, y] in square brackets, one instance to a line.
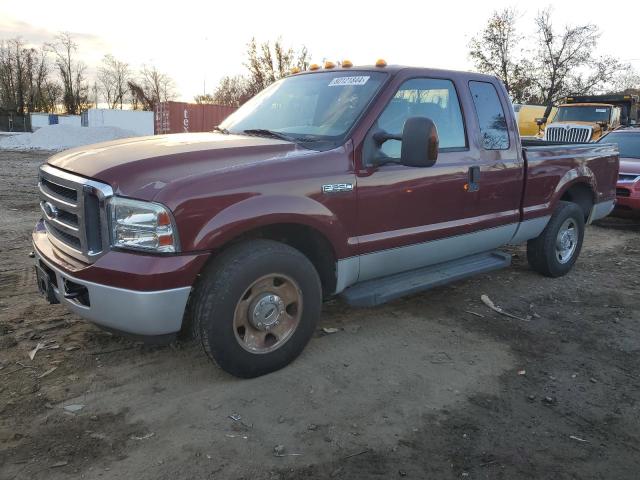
[554, 252]
[256, 307]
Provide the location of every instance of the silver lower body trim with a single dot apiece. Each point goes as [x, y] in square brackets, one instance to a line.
[601, 210]
[387, 262]
[529, 229]
[141, 313]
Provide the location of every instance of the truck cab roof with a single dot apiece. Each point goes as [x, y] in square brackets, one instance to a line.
[586, 105]
[397, 69]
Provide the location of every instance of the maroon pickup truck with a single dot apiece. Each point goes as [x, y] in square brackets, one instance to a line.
[368, 182]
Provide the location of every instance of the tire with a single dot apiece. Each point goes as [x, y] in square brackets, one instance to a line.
[250, 284]
[547, 253]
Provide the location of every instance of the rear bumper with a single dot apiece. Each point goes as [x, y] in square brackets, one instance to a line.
[601, 210]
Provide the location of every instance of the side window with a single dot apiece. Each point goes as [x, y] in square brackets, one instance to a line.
[424, 97]
[493, 124]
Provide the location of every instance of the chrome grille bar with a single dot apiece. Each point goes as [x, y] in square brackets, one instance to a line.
[69, 204]
[578, 134]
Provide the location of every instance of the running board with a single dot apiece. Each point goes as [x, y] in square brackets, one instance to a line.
[382, 290]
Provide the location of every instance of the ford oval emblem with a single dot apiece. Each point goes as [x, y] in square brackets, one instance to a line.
[50, 209]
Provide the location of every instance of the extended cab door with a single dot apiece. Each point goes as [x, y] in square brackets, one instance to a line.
[409, 217]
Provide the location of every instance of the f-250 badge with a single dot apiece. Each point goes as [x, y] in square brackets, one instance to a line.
[337, 187]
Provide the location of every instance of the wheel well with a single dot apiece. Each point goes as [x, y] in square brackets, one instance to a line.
[582, 195]
[307, 240]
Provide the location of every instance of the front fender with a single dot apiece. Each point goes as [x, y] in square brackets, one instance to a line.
[264, 210]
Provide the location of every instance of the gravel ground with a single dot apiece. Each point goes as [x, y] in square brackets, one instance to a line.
[432, 386]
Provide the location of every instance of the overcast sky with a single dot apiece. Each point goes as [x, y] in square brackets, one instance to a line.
[197, 41]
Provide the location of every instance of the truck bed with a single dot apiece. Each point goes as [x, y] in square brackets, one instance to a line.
[551, 166]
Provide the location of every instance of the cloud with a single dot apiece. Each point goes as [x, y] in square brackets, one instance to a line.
[36, 36]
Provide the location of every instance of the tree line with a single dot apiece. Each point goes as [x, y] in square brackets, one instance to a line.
[265, 63]
[539, 69]
[553, 63]
[53, 79]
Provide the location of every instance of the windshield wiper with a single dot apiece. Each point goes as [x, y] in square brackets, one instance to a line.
[263, 132]
[217, 128]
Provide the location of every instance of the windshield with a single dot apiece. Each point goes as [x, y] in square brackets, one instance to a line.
[315, 109]
[628, 143]
[583, 114]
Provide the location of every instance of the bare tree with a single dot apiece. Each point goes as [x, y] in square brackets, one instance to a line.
[205, 98]
[9, 77]
[24, 78]
[232, 91]
[51, 96]
[158, 86]
[36, 79]
[266, 63]
[626, 83]
[495, 50]
[139, 98]
[151, 87]
[564, 59]
[113, 77]
[72, 73]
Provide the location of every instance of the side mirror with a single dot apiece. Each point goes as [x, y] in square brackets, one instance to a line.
[419, 142]
[541, 121]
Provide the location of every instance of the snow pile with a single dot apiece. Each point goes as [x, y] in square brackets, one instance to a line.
[61, 137]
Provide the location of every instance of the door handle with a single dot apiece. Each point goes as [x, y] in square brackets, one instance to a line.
[473, 185]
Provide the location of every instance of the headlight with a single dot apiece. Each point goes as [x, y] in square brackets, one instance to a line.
[141, 225]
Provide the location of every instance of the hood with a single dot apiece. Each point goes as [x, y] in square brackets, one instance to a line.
[630, 165]
[140, 167]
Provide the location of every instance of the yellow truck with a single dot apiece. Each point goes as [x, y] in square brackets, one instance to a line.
[527, 115]
[582, 119]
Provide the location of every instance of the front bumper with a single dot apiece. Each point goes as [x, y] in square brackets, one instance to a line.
[627, 198]
[138, 311]
[152, 313]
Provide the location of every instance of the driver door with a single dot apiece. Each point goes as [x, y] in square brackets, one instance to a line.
[410, 217]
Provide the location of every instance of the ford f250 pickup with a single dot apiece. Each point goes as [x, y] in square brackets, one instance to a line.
[366, 182]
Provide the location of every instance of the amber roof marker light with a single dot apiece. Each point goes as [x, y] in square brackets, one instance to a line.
[329, 64]
[381, 63]
[314, 66]
[295, 70]
[347, 64]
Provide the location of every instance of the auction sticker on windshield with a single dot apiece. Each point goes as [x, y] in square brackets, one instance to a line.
[343, 81]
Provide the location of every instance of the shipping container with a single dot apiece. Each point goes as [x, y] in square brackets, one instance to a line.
[181, 117]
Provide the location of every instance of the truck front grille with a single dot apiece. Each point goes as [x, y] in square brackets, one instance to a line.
[628, 177]
[568, 135]
[74, 212]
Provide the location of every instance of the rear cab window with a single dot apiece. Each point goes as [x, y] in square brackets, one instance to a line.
[490, 115]
[425, 97]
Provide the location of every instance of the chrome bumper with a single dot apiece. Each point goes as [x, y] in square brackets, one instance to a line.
[136, 312]
[601, 210]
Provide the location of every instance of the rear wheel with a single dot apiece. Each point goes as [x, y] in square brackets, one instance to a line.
[554, 252]
[256, 307]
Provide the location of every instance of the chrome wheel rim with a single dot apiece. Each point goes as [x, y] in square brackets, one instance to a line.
[566, 240]
[268, 313]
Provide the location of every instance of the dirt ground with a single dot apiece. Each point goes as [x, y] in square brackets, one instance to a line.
[434, 386]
